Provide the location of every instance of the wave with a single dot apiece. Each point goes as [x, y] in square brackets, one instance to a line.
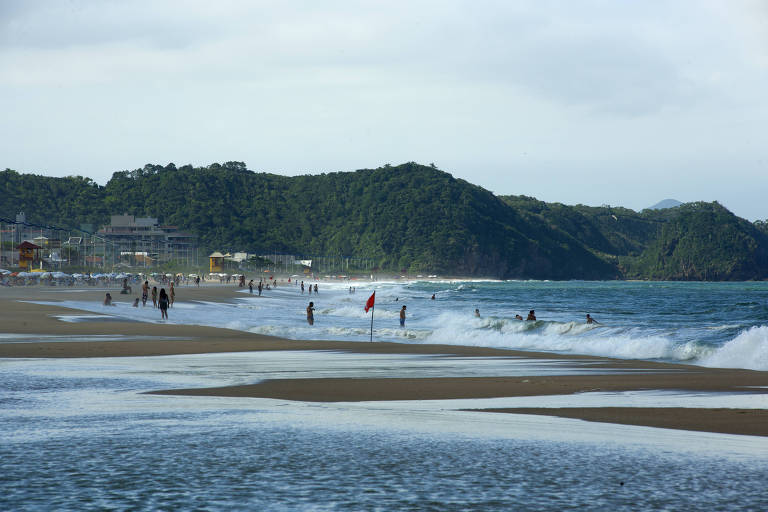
[747, 350]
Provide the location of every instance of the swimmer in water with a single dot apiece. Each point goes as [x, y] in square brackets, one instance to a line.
[477, 313]
[402, 317]
[591, 320]
[518, 317]
[531, 316]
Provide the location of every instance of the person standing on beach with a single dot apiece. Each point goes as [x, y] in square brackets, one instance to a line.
[315, 288]
[402, 317]
[311, 314]
[144, 293]
[154, 296]
[163, 304]
[260, 287]
[171, 296]
[302, 287]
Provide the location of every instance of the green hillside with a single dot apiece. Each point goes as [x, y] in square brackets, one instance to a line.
[408, 217]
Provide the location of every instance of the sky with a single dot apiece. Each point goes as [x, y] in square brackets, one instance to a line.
[581, 102]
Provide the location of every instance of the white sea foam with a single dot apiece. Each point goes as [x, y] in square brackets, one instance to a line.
[747, 350]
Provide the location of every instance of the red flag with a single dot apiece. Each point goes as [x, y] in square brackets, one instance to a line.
[371, 300]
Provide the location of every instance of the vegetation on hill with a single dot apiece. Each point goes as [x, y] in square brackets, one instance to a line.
[408, 217]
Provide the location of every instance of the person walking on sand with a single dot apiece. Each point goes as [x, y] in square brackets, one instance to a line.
[144, 293]
[154, 296]
[402, 316]
[163, 304]
[591, 320]
[171, 296]
[310, 313]
[531, 316]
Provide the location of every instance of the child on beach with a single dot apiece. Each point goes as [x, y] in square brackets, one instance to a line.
[163, 304]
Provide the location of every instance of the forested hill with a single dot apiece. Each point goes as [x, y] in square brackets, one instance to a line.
[409, 217]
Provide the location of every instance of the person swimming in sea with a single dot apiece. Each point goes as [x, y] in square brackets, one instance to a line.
[477, 313]
[591, 320]
[518, 317]
[108, 300]
[531, 316]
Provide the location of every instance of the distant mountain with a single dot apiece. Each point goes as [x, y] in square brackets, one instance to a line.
[666, 203]
[407, 217]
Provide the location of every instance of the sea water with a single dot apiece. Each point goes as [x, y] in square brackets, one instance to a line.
[709, 324]
[79, 434]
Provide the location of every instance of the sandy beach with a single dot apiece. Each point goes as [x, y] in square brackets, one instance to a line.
[134, 338]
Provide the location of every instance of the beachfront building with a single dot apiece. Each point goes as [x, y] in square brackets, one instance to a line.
[29, 253]
[216, 262]
[142, 240]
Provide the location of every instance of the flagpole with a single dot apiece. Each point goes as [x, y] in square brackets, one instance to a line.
[373, 308]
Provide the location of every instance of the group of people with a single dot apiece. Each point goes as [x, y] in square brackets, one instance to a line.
[531, 315]
[161, 300]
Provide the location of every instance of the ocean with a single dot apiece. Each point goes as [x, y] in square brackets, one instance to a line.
[709, 324]
[79, 434]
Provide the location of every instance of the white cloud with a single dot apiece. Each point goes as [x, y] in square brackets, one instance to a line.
[567, 101]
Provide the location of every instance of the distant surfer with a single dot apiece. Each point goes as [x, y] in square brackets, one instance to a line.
[311, 314]
[591, 320]
[531, 316]
[402, 317]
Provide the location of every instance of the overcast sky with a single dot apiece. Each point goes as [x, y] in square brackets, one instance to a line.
[594, 102]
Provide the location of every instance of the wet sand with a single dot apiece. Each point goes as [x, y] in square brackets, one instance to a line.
[145, 339]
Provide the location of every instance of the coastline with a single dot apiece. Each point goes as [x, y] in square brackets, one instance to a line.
[139, 339]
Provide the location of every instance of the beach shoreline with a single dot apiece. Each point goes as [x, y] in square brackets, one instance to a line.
[140, 339]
